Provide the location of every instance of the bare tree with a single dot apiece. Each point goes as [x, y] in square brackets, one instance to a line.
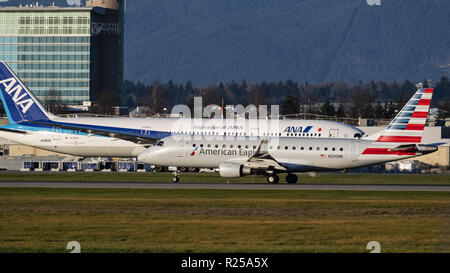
[53, 101]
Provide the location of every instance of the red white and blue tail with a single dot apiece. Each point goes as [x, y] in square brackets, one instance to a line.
[408, 125]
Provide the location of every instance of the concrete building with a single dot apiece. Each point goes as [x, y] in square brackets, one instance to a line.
[65, 54]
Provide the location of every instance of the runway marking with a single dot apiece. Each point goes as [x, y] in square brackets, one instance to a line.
[223, 186]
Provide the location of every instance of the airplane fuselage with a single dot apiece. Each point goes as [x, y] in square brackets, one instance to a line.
[296, 155]
[79, 143]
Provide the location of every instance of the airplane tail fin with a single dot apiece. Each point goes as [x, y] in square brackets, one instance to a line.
[19, 103]
[409, 124]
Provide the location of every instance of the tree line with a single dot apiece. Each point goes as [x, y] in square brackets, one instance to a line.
[368, 100]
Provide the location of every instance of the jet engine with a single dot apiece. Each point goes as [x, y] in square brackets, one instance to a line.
[233, 169]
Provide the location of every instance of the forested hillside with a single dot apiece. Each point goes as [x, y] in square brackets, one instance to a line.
[208, 41]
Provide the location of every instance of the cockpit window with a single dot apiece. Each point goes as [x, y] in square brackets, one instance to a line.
[160, 143]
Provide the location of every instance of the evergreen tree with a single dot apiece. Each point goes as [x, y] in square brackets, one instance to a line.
[444, 110]
[327, 109]
[378, 111]
[341, 111]
[291, 104]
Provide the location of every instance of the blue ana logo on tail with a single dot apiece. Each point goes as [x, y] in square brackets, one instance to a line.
[20, 98]
[19, 103]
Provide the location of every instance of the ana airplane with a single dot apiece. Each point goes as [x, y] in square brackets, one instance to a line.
[273, 155]
[30, 124]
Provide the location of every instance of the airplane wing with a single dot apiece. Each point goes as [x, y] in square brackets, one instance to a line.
[133, 135]
[263, 160]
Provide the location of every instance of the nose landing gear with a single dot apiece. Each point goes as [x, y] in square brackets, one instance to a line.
[176, 176]
[273, 179]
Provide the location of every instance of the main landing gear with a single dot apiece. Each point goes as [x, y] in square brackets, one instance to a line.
[291, 178]
[274, 178]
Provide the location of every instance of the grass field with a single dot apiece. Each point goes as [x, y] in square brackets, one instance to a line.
[128, 220]
[212, 177]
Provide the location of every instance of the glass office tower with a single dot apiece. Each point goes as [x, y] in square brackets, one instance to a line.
[57, 51]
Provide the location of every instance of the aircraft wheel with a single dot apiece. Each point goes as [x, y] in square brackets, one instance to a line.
[159, 169]
[175, 179]
[291, 178]
[273, 179]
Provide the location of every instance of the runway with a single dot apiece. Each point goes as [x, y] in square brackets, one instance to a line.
[224, 186]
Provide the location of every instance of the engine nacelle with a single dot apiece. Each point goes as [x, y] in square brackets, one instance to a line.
[232, 169]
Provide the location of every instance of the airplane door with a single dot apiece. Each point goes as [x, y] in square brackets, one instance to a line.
[334, 133]
[56, 133]
[354, 151]
[181, 147]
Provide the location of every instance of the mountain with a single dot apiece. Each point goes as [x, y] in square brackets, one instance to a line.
[208, 41]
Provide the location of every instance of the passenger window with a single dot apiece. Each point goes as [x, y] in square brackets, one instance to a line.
[310, 148]
[341, 149]
[286, 147]
[318, 149]
[224, 146]
[326, 149]
[201, 145]
[193, 145]
[293, 148]
[334, 149]
[217, 146]
[302, 148]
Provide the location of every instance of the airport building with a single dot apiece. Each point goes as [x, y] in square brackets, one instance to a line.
[72, 55]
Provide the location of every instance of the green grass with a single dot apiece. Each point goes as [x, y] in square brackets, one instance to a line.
[212, 177]
[158, 220]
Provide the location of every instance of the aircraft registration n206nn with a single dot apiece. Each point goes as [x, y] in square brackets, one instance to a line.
[270, 156]
[30, 124]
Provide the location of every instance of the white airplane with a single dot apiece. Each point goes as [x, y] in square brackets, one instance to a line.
[30, 124]
[273, 155]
